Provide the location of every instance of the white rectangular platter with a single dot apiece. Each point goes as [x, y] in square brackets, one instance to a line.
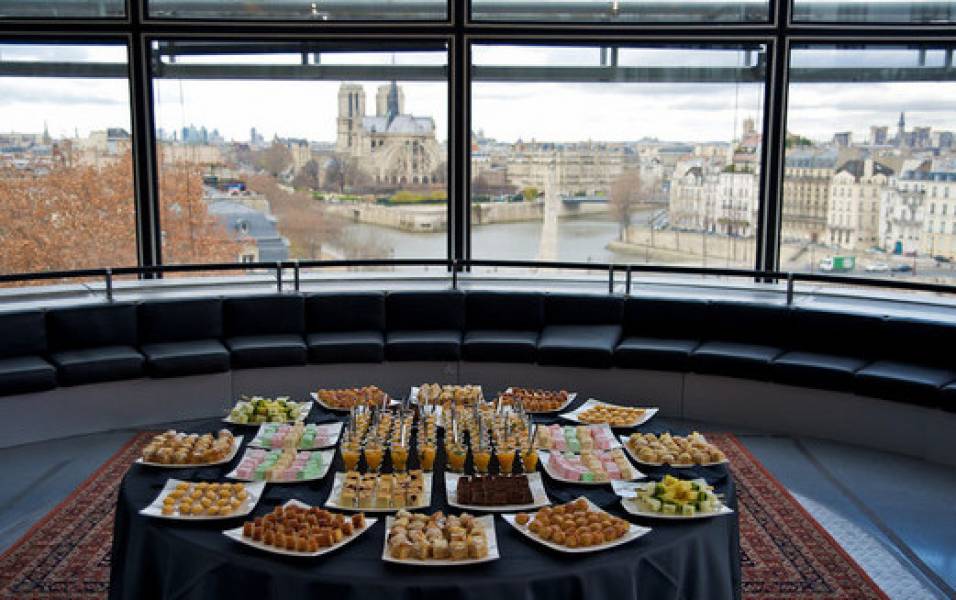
[633, 532]
[567, 403]
[236, 443]
[413, 394]
[329, 433]
[305, 408]
[487, 521]
[649, 413]
[634, 457]
[155, 508]
[628, 494]
[236, 534]
[333, 502]
[315, 398]
[539, 497]
[615, 443]
[327, 456]
[544, 457]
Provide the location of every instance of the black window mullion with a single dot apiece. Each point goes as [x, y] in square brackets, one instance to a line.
[145, 173]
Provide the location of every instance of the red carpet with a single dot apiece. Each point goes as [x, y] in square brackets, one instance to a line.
[785, 553]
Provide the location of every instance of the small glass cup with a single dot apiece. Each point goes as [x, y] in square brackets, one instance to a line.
[506, 459]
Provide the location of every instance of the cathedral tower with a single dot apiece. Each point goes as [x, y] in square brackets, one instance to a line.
[349, 122]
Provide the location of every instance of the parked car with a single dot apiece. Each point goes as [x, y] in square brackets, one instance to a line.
[910, 253]
[877, 268]
[875, 250]
[902, 268]
[942, 259]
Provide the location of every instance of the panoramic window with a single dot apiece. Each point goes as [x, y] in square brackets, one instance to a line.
[304, 10]
[63, 9]
[623, 11]
[66, 183]
[278, 151]
[869, 172]
[926, 12]
[625, 155]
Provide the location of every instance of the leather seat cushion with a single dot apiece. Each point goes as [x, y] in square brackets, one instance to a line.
[496, 345]
[106, 363]
[346, 347]
[266, 351]
[173, 359]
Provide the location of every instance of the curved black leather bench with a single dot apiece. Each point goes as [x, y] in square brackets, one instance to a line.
[893, 358]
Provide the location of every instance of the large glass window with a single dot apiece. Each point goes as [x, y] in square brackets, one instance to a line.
[623, 11]
[869, 164]
[277, 151]
[66, 185]
[69, 9]
[927, 12]
[617, 154]
[304, 10]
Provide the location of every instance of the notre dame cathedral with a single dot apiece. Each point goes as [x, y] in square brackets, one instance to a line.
[394, 148]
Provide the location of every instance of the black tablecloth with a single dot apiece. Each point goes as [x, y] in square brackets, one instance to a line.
[158, 558]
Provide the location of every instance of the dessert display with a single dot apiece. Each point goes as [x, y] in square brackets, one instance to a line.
[298, 436]
[589, 466]
[674, 497]
[446, 395]
[593, 412]
[346, 399]
[381, 492]
[297, 529]
[535, 400]
[439, 539]
[504, 436]
[258, 410]
[282, 466]
[673, 450]
[378, 434]
[176, 449]
[204, 500]
[493, 490]
[575, 439]
[577, 526]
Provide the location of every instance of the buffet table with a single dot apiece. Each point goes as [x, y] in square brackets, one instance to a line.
[156, 558]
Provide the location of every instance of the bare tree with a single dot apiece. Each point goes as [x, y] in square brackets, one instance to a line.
[626, 193]
[308, 176]
[344, 171]
[274, 160]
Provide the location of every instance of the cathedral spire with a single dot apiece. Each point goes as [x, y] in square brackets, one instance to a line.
[393, 108]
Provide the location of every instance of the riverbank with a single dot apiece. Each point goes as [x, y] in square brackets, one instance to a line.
[432, 218]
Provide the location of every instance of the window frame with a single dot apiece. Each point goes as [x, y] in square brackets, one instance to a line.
[460, 31]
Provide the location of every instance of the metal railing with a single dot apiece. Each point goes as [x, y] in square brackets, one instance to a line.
[455, 267]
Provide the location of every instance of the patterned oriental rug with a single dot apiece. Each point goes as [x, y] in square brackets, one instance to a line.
[785, 553]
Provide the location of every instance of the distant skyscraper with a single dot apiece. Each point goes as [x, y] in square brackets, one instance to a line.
[879, 135]
[842, 139]
[750, 126]
[901, 130]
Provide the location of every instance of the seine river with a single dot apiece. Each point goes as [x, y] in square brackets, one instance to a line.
[578, 240]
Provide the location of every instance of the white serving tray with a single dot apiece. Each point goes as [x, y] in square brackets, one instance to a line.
[236, 534]
[487, 521]
[544, 456]
[628, 493]
[633, 456]
[615, 443]
[155, 508]
[539, 497]
[571, 397]
[413, 394]
[633, 532]
[305, 408]
[315, 398]
[327, 456]
[236, 443]
[333, 502]
[649, 413]
[332, 432]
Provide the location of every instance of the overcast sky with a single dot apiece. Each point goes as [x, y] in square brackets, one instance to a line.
[506, 111]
